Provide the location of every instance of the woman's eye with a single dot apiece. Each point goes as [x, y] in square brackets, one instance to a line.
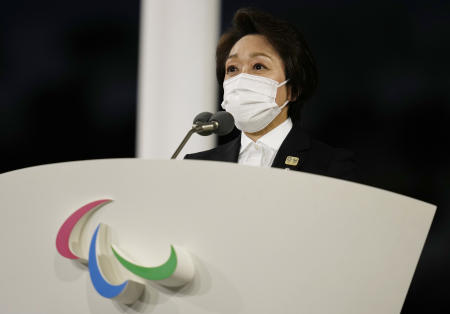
[259, 66]
[231, 69]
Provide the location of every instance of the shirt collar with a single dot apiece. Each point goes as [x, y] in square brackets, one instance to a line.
[273, 139]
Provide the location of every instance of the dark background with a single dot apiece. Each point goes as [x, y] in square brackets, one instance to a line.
[68, 74]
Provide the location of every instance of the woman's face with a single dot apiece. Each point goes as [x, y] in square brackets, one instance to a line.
[253, 54]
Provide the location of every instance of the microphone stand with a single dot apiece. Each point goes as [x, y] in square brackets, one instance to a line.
[198, 127]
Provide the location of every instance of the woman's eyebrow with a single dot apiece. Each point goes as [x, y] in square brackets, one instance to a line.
[252, 55]
[259, 54]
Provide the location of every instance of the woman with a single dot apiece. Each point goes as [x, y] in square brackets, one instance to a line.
[268, 73]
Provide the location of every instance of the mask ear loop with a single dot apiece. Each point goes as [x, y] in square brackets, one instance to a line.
[284, 105]
[282, 83]
[287, 101]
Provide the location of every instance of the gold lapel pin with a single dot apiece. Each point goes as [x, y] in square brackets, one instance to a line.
[292, 161]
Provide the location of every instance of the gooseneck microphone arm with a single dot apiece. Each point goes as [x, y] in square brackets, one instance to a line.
[198, 127]
[180, 147]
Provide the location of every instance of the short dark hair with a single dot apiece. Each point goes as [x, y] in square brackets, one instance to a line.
[288, 41]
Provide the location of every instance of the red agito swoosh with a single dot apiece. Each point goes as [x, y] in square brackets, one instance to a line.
[62, 239]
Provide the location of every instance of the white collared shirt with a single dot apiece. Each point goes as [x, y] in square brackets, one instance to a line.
[262, 152]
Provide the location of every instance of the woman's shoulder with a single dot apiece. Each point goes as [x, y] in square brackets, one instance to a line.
[225, 152]
[332, 161]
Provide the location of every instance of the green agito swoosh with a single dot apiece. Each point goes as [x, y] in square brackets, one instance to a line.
[163, 271]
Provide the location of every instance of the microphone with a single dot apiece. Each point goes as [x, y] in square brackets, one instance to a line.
[206, 123]
[225, 122]
[202, 119]
[220, 123]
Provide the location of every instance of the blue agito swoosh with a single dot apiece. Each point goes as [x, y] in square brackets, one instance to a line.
[102, 286]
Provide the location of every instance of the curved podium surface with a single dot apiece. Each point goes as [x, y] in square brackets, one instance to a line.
[210, 237]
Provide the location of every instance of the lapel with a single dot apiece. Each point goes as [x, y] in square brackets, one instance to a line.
[294, 145]
[291, 153]
[229, 151]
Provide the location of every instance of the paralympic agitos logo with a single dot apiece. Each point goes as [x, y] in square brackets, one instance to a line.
[104, 259]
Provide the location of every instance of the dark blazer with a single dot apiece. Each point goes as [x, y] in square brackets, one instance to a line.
[313, 156]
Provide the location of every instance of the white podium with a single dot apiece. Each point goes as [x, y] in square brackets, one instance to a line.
[260, 240]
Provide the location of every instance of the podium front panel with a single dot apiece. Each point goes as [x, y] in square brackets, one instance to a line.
[261, 240]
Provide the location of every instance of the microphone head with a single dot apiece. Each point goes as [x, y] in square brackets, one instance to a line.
[225, 121]
[203, 118]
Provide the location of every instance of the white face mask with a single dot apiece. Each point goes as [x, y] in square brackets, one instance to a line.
[251, 101]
